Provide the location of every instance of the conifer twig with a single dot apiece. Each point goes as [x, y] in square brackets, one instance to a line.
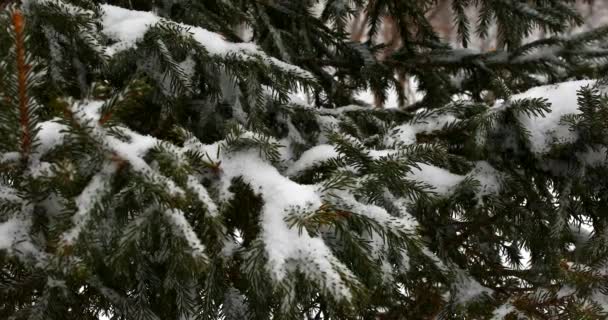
[22, 72]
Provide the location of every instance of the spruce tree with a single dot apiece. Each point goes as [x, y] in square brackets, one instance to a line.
[209, 159]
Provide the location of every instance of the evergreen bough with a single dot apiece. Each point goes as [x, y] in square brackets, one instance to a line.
[209, 160]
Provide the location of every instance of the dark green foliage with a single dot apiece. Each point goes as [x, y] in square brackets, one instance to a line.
[165, 178]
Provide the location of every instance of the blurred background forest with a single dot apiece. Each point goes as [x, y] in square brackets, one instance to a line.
[594, 12]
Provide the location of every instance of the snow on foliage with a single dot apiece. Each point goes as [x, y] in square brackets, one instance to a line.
[468, 289]
[283, 244]
[501, 312]
[90, 197]
[15, 238]
[487, 176]
[311, 157]
[10, 232]
[406, 134]
[547, 130]
[126, 26]
[182, 225]
[442, 181]
[129, 26]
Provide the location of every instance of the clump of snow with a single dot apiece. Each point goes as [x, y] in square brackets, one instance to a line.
[11, 231]
[377, 154]
[50, 134]
[311, 157]
[183, 226]
[501, 312]
[544, 131]
[10, 157]
[406, 133]
[440, 179]
[89, 111]
[283, 245]
[468, 289]
[581, 233]
[488, 178]
[565, 291]
[126, 26]
[202, 195]
[15, 238]
[9, 194]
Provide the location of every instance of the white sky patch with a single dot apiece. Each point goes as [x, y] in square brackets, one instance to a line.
[411, 92]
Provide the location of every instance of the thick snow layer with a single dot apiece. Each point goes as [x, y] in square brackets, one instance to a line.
[14, 237]
[286, 245]
[440, 179]
[50, 134]
[129, 26]
[10, 231]
[546, 130]
[126, 26]
[311, 157]
[8, 194]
